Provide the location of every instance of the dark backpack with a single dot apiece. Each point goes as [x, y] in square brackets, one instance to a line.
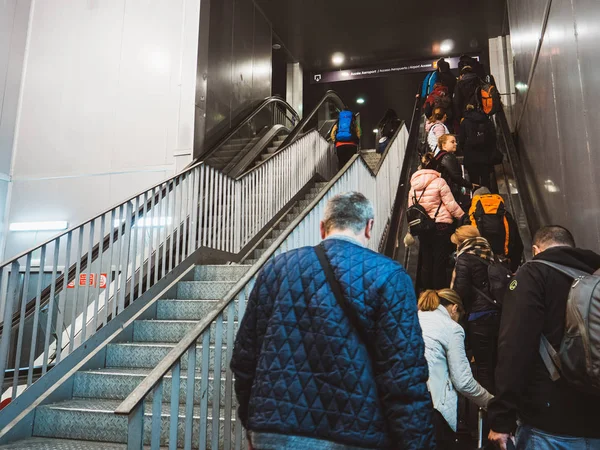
[346, 131]
[578, 359]
[499, 276]
[418, 220]
[488, 97]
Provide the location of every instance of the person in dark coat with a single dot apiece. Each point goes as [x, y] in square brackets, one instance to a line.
[477, 142]
[552, 414]
[303, 377]
[446, 77]
[466, 92]
[470, 281]
[447, 164]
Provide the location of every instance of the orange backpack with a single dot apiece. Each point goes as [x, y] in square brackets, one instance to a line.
[489, 97]
[488, 214]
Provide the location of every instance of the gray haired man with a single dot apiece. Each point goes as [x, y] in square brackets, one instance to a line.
[306, 376]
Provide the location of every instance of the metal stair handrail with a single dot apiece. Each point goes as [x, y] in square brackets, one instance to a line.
[150, 234]
[380, 188]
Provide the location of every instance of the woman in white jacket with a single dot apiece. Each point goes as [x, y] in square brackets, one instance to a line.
[449, 369]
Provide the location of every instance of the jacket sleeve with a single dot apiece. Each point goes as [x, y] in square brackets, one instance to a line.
[449, 201]
[462, 282]
[460, 370]
[458, 102]
[450, 163]
[462, 136]
[515, 243]
[245, 351]
[400, 367]
[518, 344]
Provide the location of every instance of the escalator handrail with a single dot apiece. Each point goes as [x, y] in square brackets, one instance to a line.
[329, 96]
[397, 219]
[297, 130]
[266, 103]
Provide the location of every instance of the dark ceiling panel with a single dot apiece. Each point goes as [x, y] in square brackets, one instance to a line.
[375, 30]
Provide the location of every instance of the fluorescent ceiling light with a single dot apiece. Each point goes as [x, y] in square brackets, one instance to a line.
[360, 101]
[39, 226]
[338, 58]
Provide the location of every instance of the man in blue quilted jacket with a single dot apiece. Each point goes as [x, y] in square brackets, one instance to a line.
[304, 378]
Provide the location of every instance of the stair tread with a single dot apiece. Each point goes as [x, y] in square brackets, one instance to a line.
[138, 372]
[106, 406]
[39, 443]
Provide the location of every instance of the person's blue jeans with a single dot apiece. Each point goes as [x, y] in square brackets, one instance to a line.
[529, 438]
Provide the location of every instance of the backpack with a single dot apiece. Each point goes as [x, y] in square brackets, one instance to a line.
[418, 220]
[489, 97]
[346, 131]
[430, 142]
[499, 277]
[578, 359]
[428, 83]
[480, 134]
[488, 214]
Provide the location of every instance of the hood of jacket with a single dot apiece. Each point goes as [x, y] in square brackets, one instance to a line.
[578, 258]
[422, 178]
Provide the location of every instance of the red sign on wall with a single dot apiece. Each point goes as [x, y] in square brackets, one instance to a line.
[83, 280]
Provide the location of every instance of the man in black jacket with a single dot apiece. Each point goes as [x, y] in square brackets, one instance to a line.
[552, 415]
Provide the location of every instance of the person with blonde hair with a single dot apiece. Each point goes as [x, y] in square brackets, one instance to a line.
[470, 281]
[449, 369]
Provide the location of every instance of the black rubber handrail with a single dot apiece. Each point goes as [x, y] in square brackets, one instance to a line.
[330, 96]
[243, 122]
[397, 219]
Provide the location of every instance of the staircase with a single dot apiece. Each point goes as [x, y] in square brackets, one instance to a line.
[230, 151]
[275, 144]
[87, 420]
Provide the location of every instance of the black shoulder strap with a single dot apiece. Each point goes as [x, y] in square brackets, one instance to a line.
[336, 288]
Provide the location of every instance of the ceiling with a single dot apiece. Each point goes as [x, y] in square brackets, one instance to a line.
[377, 30]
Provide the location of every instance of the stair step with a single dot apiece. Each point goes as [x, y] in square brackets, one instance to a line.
[93, 419]
[117, 384]
[176, 309]
[62, 444]
[203, 290]
[171, 330]
[144, 355]
[220, 273]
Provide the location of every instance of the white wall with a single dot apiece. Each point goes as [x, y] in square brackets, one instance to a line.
[14, 19]
[107, 106]
[294, 86]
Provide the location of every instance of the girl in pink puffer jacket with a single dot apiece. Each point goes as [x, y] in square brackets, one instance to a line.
[433, 193]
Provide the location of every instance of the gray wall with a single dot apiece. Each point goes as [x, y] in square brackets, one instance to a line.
[559, 131]
[106, 106]
[239, 59]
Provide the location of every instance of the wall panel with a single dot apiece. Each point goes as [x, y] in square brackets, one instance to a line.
[559, 136]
